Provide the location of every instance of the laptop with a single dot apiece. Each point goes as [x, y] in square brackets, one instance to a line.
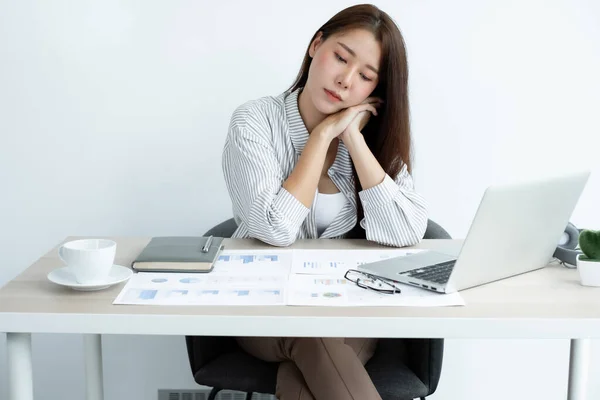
[516, 229]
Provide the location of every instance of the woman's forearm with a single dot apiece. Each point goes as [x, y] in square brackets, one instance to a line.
[369, 171]
[304, 179]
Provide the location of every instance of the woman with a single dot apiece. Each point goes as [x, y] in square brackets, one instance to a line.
[329, 158]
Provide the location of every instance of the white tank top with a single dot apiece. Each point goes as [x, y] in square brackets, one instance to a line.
[327, 207]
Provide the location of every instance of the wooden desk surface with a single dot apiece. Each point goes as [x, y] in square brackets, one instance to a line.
[545, 303]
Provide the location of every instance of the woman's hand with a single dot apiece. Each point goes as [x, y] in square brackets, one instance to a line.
[355, 127]
[336, 124]
[358, 123]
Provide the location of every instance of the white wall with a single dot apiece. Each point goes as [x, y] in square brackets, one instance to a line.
[113, 115]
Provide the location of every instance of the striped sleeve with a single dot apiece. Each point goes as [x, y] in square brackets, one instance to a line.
[254, 179]
[395, 214]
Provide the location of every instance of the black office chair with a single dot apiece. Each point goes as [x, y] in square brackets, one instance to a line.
[401, 369]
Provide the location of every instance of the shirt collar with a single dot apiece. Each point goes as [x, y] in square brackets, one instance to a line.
[297, 129]
[299, 134]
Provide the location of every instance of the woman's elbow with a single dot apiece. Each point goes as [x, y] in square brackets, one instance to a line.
[272, 236]
[400, 241]
[279, 241]
[402, 235]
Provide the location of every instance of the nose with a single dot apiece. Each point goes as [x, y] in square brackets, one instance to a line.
[344, 79]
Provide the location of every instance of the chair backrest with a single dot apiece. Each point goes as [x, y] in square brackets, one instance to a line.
[226, 228]
[435, 231]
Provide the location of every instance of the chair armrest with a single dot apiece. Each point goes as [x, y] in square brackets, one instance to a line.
[425, 357]
[203, 349]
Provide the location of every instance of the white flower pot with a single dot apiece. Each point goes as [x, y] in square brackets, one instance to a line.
[589, 271]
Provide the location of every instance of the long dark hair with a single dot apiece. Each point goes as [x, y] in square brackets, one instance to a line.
[387, 135]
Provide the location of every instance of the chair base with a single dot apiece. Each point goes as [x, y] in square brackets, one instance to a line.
[213, 393]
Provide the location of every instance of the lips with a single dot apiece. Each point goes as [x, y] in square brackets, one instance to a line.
[337, 96]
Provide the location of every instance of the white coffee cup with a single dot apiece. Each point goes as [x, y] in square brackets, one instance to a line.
[89, 260]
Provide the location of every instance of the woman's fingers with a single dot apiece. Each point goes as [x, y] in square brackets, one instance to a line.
[373, 100]
[344, 118]
[366, 107]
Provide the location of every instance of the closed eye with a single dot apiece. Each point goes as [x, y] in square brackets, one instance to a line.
[339, 58]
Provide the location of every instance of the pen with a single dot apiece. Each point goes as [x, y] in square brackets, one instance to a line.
[207, 244]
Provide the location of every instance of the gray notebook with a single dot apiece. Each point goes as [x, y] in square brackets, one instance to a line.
[179, 254]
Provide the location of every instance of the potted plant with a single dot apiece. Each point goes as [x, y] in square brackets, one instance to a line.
[588, 263]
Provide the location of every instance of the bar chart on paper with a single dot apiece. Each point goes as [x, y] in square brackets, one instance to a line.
[321, 267]
[256, 262]
[249, 258]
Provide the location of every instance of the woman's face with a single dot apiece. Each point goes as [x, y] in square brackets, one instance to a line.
[343, 71]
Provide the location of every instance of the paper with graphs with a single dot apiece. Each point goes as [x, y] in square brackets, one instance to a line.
[331, 290]
[238, 278]
[277, 277]
[337, 262]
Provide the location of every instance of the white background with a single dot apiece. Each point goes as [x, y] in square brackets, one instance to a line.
[113, 115]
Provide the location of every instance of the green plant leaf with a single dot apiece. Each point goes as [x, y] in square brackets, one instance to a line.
[589, 242]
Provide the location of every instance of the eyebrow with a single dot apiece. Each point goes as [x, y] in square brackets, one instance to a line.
[349, 50]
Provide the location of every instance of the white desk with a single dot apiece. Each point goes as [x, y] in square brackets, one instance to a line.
[548, 303]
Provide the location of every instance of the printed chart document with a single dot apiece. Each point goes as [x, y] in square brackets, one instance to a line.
[335, 262]
[317, 279]
[277, 277]
[238, 278]
[332, 290]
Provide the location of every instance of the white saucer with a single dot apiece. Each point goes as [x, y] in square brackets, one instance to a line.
[62, 276]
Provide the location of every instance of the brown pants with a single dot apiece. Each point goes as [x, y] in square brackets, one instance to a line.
[317, 368]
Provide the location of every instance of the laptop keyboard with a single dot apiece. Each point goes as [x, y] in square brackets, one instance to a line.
[438, 273]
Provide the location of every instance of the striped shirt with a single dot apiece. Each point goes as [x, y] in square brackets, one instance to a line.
[265, 139]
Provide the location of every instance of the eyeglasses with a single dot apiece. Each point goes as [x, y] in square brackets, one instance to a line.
[367, 281]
